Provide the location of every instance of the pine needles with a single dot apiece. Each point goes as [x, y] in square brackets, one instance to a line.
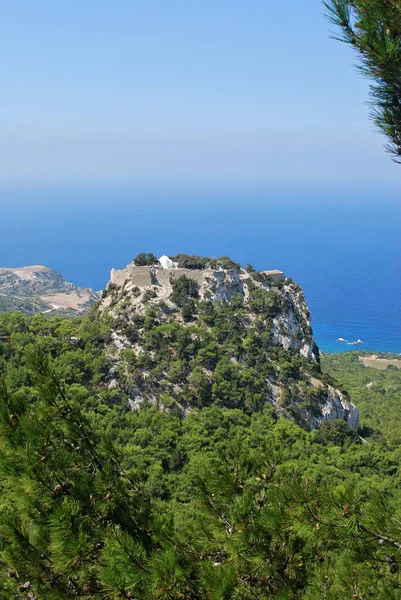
[373, 28]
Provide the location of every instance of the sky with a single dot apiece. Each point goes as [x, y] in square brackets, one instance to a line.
[199, 91]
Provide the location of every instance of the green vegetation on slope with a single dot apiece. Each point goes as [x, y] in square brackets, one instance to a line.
[29, 305]
[376, 393]
[41, 289]
[98, 501]
[196, 353]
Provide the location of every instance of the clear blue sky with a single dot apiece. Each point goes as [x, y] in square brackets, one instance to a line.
[181, 91]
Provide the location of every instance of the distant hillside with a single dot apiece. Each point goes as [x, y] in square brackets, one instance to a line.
[41, 289]
[376, 391]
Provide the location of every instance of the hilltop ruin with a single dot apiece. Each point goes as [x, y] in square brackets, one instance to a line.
[166, 271]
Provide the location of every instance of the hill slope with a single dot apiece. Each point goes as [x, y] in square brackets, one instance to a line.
[41, 289]
[376, 391]
[200, 332]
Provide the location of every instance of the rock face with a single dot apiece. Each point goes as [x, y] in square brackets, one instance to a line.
[270, 305]
[338, 407]
[41, 289]
[291, 329]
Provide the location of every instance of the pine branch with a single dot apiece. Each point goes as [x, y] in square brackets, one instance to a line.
[373, 29]
[128, 553]
[379, 536]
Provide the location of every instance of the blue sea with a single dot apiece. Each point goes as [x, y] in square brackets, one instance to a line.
[342, 245]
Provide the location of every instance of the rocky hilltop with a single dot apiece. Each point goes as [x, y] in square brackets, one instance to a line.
[191, 331]
[41, 289]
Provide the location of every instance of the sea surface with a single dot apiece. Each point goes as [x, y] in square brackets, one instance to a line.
[342, 246]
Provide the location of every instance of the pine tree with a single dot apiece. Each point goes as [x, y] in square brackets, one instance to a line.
[68, 513]
[238, 517]
[373, 28]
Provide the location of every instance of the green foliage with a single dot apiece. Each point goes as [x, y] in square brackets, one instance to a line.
[268, 304]
[230, 502]
[225, 262]
[373, 28]
[145, 259]
[24, 305]
[184, 288]
[379, 403]
[188, 310]
[231, 342]
[191, 261]
[66, 493]
[149, 294]
[336, 432]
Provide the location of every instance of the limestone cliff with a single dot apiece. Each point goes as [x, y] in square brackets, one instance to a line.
[267, 310]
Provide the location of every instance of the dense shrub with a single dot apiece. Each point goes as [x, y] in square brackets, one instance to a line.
[184, 288]
[145, 259]
[190, 261]
[149, 294]
[267, 303]
[225, 262]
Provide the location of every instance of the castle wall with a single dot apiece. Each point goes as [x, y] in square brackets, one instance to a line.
[147, 276]
[276, 274]
[140, 276]
[163, 276]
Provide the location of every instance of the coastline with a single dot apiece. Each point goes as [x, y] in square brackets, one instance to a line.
[372, 360]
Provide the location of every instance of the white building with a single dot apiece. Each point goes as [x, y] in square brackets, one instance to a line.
[166, 262]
